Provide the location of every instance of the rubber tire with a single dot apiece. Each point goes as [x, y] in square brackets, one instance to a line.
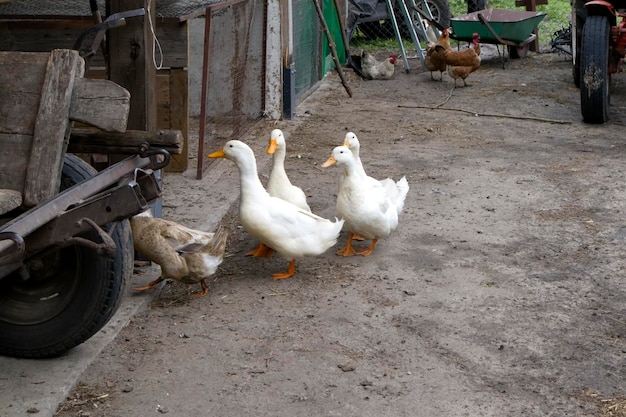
[594, 77]
[73, 298]
[440, 9]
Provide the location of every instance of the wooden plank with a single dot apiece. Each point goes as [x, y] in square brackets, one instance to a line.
[87, 141]
[179, 117]
[14, 154]
[173, 38]
[20, 100]
[273, 63]
[43, 175]
[100, 103]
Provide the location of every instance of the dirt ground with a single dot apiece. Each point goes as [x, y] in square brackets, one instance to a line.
[501, 293]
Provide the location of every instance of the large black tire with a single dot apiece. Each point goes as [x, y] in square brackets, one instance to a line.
[440, 9]
[594, 66]
[71, 294]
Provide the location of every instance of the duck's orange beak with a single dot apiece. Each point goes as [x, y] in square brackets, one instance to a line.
[218, 154]
[329, 162]
[271, 148]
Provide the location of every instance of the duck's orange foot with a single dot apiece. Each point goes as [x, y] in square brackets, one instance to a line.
[262, 251]
[357, 237]
[150, 285]
[205, 290]
[368, 251]
[290, 272]
[348, 250]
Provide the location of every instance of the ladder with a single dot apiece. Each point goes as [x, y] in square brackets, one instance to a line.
[416, 26]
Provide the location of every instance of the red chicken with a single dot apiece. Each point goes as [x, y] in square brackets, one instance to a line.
[434, 60]
[462, 63]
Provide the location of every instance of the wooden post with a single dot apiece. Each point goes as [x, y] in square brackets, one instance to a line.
[131, 64]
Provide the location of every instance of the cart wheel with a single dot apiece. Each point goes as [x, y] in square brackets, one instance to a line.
[594, 75]
[517, 52]
[71, 293]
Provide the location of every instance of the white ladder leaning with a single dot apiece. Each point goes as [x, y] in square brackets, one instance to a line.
[416, 25]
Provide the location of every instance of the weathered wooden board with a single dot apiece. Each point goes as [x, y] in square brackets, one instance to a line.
[100, 103]
[14, 154]
[93, 141]
[43, 175]
[20, 100]
[173, 111]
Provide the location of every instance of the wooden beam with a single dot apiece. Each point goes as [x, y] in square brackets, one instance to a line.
[273, 63]
[131, 62]
[95, 141]
[52, 127]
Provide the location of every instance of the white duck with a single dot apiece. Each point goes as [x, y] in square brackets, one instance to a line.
[397, 191]
[279, 224]
[278, 184]
[364, 204]
[186, 255]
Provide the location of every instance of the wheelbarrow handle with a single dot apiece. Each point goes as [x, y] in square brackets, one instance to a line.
[484, 21]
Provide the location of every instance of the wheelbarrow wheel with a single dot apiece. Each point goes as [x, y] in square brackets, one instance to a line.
[72, 292]
[594, 66]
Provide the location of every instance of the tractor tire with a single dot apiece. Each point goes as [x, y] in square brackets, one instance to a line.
[71, 293]
[594, 76]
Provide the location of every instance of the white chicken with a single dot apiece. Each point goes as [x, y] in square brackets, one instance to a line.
[186, 255]
[377, 70]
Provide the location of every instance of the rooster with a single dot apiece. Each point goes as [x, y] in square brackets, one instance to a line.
[186, 255]
[461, 64]
[376, 70]
[433, 61]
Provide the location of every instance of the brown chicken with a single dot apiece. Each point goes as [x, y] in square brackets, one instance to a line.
[434, 60]
[462, 63]
[376, 70]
